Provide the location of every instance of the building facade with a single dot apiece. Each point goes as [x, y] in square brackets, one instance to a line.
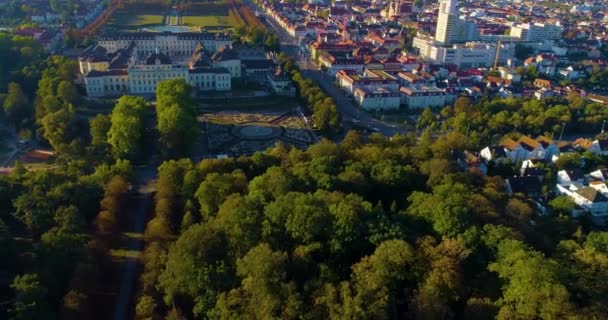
[133, 69]
[172, 44]
[452, 29]
[533, 32]
[380, 99]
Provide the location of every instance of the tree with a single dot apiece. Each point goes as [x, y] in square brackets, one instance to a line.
[197, 269]
[240, 219]
[326, 117]
[178, 129]
[270, 185]
[568, 161]
[584, 266]
[126, 127]
[213, 191]
[301, 217]
[68, 219]
[99, 127]
[16, 106]
[447, 208]
[174, 91]
[372, 291]
[154, 258]
[562, 204]
[7, 247]
[34, 210]
[427, 119]
[264, 292]
[59, 127]
[462, 104]
[146, 308]
[443, 283]
[66, 92]
[176, 116]
[112, 205]
[30, 298]
[532, 288]
[75, 305]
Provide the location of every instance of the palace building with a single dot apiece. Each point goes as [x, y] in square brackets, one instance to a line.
[173, 44]
[136, 63]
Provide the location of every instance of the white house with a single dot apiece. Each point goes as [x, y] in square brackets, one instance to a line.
[590, 199]
[371, 80]
[527, 148]
[568, 177]
[416, 98]
[380, 99]
[493, 153]
[599, 147]
[335, 64]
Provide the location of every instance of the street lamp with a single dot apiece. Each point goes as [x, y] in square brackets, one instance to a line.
[562, 132]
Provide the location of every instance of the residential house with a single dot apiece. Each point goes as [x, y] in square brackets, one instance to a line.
[599, 147]
[333, 64]
[469, 161]
[529, 186]
[568, 177]
[494, 154]
[591, 199]
[527, 148]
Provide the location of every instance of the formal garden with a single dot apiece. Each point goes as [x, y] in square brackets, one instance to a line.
[243, 133]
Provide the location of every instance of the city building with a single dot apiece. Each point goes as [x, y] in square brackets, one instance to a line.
[172, 44]
[533, 32]
[350, 80]
[467, 55]
[452, 29]
[379, 99]
[457, 41]
[135, 70]
[281, 83]
[422, 97]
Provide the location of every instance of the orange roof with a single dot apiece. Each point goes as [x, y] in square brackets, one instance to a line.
[583, 143]
[525, 140]
[509, 143]
[544, 140]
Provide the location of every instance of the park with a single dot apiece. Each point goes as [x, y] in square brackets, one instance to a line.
[197, 16]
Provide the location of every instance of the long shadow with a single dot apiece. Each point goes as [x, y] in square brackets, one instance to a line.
[140, 205]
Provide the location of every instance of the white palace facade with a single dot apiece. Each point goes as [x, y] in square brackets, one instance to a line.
[135, 63]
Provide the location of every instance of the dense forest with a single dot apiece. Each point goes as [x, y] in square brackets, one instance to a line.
[383, 229]
[368, 228]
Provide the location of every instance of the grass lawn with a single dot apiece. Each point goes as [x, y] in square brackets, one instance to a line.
[208, 21]
[130, 21]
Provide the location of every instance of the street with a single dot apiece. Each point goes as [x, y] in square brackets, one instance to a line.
[350, 113]
[140, 203]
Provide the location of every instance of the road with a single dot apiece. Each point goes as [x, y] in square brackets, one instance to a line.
[140, 205]
[351, 115]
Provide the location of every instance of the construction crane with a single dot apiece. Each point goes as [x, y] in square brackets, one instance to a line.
[497, 54]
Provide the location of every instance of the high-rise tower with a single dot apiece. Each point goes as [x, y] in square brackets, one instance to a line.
[450, 28]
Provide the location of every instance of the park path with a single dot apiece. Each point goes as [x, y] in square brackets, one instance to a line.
[140, 203]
